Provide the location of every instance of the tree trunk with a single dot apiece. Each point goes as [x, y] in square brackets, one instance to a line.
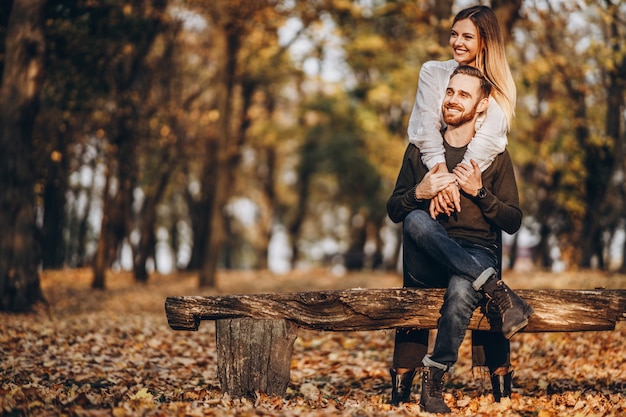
[354, 258]
[200, 209]
[130, 94]
[53, 244]
[268, 187]
[100, 263]
[306, 170]
[254, 355]
[148, 217]
[145, 248]
[125, 154]
[82, 235]
[507, 12]
[600, 159]
[19, 103]
[265, 173]
[615, 106]
[147, 240]
[443, 13]
[221, 172]
[599, 162]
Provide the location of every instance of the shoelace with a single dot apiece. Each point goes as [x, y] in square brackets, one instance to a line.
[501, 298]
[435, 389]
[438, 388]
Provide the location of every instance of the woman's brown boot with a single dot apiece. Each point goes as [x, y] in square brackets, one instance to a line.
[501, 383]
[401, 386]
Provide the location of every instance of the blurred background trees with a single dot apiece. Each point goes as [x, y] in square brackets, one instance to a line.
[165, 135]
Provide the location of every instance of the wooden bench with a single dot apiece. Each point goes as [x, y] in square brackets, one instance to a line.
[255, 332]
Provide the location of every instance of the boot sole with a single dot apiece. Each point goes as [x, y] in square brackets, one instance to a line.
[443, 411]
[521, 325]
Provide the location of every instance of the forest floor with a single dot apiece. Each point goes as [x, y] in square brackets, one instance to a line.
[111, 353]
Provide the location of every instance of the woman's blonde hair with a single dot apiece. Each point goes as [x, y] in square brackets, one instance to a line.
[491, 57]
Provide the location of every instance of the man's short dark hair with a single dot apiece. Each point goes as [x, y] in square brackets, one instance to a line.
[485, 85]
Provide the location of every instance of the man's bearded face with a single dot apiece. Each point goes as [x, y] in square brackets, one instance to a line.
[454, 114]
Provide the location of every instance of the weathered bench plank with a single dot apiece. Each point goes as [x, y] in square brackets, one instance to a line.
[255, 333]
[375, 309]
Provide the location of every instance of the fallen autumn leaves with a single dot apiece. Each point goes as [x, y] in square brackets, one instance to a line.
[92, 353]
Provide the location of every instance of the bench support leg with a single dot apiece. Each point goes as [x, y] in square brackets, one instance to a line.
[254, 355]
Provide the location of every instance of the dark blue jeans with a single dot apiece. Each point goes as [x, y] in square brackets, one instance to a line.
[431, 259]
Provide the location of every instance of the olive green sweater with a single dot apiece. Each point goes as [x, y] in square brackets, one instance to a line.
[479, 219]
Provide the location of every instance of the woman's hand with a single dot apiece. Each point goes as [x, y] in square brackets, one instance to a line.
[447, 201]
[448, 198]
[469, 178]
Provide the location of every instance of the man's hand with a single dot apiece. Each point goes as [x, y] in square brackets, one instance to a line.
[446, 201]
[469, 178]
[435, 180]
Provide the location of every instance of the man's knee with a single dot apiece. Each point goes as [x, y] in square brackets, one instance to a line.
[461, 293]
[417, 224]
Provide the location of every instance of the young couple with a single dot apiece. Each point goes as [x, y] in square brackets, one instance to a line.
[455, 192]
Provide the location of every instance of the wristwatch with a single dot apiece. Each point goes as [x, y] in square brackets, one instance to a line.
[482, 193]
[417, 200]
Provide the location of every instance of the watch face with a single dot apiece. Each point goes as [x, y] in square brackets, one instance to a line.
[482, 193]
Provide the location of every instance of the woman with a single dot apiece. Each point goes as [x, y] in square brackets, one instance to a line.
[475, 40]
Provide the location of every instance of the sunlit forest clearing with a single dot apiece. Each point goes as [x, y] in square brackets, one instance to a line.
[92, 353]
[195, 145]
[187, 135]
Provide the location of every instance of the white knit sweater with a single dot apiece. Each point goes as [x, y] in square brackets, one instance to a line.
[426, 120]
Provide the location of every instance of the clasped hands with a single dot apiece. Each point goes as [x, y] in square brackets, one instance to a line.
[443, 188]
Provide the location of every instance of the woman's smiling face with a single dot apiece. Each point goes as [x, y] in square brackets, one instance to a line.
[465, 42]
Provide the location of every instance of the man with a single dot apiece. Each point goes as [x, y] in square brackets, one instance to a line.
[457, 251]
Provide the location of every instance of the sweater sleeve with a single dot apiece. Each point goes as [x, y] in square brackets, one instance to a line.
[490, 138]
[501, 205]
[425, 122]
[402, 200]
